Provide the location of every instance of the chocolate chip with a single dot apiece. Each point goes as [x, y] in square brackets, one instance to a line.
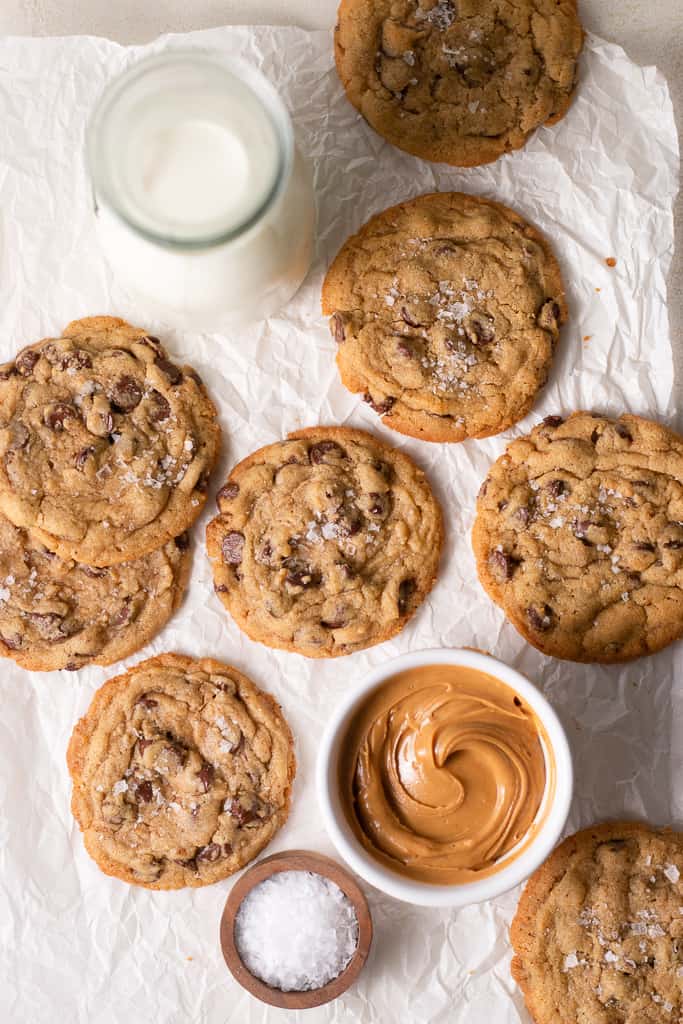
[233, 547]
[170, 369]
[595, 436]
[93, 572]
[160, 409]
[643, 545]
[182, 541]
[675, 544]
[623, 432]
[57, 414]
[19, 436]
[517, 702]
[406, 589]
[404, 348]
[523, 514]
[220, 588]
[502, 564]
[334, 624]
[148, 702]
[193, 375]
[206, 774]
[379, 504]
[26, 360]
[8, 371]
[480, 331]
[540, 621]
[502, 505]
[318, 452]
[202, 485]
[483, 489]
[210, 853]
[82, 457]
[381, 408]
[123, 616]
[144, 743]
[549, 315]
[348, 524]
[14, 642]
[150, 341]
[241, 815]
[126, 394]
[553, 421]
[227, 849]
[408, 319]
[144, 791]
[264, 553]
[556, 488]
[337, 327]
[302, 576]
[190, 863]
[228, 492]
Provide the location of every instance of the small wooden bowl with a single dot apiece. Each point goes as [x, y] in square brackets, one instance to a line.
[296, 860]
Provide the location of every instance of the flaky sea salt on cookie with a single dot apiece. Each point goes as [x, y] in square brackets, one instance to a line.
[446, 310]
[459, 81]
[181, 771]
[326, 543]
[598, 933]
[105, 444]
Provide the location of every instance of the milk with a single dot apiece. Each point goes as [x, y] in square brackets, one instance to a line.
[205, 209]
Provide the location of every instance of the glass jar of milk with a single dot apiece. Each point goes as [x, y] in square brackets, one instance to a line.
[204, 206]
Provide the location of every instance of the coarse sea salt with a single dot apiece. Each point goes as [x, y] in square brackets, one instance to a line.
[296, 931]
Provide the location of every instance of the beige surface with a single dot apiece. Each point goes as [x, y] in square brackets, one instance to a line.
[649, 30]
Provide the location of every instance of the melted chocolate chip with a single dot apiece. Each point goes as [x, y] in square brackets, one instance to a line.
[523, 515]
[93, 572]
[220, 588]
[233, 547]
[480, 331]
[381, 408]
[143, 744]
[406, 589]
[379, 504]
[206, 774]
[144, 791]
[302, 576]
[57, 414]
[126, 394]
[502, 505]
[210, 853]
[337, 328]
[123, 616]
[348, 524]
[595, 436]
[319, 452]
[241, 815]
[673, 544]
[182, 541]
[14, 641]
[148, 702]
[553, 421]
[502, 564]
[548, 315]
[336, 623]
[8, 371]
[26, 360]
[82, 457]
[556, 488]
[160, 409]
[623, 432]
[51, 626]
[228, 492]
[643, 545]
[540, 621]
[169, 369]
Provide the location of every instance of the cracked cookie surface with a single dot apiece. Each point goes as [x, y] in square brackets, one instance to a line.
[579, 537]
[459, 81]
[598, 933]
[446, 310]
[105, 444]
[326, 543]
[182, 771]
[57, 613]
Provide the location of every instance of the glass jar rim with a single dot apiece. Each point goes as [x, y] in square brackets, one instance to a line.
[234, 69]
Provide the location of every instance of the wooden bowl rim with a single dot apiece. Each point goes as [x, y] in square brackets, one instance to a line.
[296, 860]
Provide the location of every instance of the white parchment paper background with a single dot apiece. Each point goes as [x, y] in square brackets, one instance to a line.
[79, 948]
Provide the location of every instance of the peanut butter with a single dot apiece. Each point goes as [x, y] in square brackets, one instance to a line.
[442, 773]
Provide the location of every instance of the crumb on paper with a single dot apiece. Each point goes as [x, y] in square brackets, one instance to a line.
[587, 337]
[598, 289]
[610, 261]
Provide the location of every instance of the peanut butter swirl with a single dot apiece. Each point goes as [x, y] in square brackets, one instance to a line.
[443, 773]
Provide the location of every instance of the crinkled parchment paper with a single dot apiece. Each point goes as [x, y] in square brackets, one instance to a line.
[78, 947]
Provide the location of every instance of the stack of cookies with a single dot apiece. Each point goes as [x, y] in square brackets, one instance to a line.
[106, 449]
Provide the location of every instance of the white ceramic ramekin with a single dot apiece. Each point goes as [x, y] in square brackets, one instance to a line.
[552, 813]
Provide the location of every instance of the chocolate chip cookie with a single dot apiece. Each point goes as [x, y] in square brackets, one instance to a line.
[579, 537]
[459, 81]
[446, 310]
[326, 543]
[181, 772]
[57, 613]
[105, 444]
[598, 934]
